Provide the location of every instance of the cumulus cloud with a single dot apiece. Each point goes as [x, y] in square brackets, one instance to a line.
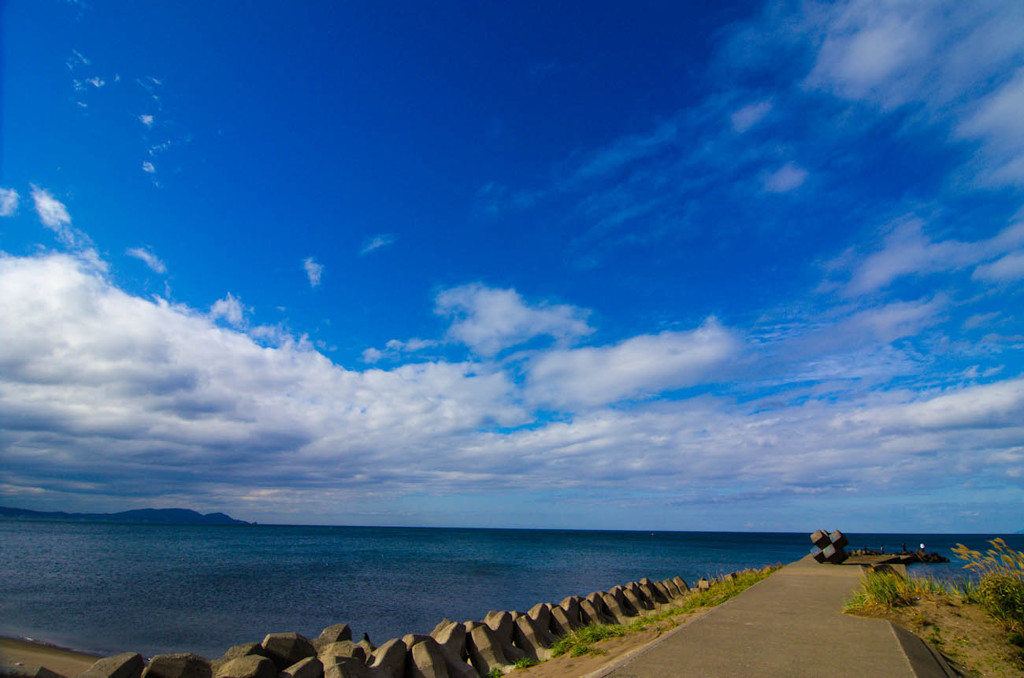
[314, 271]
[8, 202]
[489, 320]
[146, 119]
[148, 167]
[103, 386]
[376, 242]
[635, 368]
[785, 179]
[150, 259]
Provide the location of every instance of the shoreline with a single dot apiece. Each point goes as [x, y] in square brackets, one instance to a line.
[20, 652]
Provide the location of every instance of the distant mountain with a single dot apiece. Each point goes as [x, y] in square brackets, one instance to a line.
[175, 516]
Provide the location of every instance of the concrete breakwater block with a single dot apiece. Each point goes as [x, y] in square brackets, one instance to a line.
[388, 660]
[248, 666]
[484, 649]
[286, 649]
[617, 612]
[332, 634]
[426, 661]
[829, 546]
[571, 606]
[503, 626]
[343, 648]
[561, 625]
[124, 665]
[454, 662]
[310, 667]
[178, 665]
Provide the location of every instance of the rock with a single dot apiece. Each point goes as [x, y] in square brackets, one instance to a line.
[310, 667]
[502, 625]
[367, 647]
[343, 648]
[426, 661]
[703, 584]
[178, 665]
[332, 634]
[348, 667]
[287, 648]
[246, 666]
[388, 660]
[484, 650]
[124, 665]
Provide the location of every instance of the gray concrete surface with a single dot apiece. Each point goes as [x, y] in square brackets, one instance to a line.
[789, 625]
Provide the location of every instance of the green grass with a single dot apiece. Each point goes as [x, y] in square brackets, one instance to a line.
[525, 663]
[1001, 589]
[581, 641]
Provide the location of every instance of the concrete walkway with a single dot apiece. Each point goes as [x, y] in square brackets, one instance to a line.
[788, 625]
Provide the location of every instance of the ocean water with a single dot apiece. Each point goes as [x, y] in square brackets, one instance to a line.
[153, 588]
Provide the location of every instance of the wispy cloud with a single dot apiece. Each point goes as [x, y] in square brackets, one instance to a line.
[150, 259]
[376, 242]
[751, 114]
[314, 271]
[147, 120]
[54, 215]
[8, 202]
[907, 251]
[787, 178]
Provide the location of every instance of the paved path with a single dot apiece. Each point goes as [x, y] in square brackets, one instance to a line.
[789, 625]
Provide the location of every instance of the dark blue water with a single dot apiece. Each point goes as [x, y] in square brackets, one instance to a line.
[149, 588]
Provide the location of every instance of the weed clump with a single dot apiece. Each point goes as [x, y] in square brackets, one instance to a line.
[1001, 588]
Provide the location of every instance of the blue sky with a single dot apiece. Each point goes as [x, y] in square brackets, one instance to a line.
[572, 265]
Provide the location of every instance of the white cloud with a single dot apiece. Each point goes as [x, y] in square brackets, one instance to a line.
[8, 202]
[98, 384]
[55, 217]
[638, 367]
[748, 116]
[396, 348]
[146, 119]
[949, 58]
[230, 309]
[787, 178]
[314, 271]
[489, 320]
[1005, 269]
[96, 82]
[376, 242]
[906, 250]
[148, 167]
[148, 257]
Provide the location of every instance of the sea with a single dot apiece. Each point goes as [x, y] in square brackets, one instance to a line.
[107, 588]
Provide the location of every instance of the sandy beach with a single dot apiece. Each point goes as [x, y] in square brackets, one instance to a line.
[18, 653]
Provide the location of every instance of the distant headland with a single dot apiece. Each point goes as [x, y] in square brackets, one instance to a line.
[172, 516]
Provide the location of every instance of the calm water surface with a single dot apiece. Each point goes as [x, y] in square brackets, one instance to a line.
[156, 588]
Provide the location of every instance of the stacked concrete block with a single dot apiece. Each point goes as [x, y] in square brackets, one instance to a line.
[829, 547]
